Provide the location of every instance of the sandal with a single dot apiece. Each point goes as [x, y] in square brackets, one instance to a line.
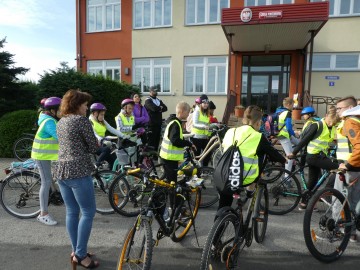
[93, 264]
[89, 254]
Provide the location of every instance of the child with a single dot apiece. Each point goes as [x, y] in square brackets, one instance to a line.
[212, 117]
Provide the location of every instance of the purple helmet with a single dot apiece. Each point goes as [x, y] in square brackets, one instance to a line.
[126, 102]
[52, 103]
[97, 107]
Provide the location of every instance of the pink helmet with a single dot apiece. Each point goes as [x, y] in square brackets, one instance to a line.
[42, 102]
[126, 102]
[198, 101]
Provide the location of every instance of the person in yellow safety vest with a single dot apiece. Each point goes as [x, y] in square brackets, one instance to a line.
[317, 139]
[44, 150]
[125, 120]
[253, 146]
[100, 126]
[201, 126]
[348, 146]
[173, 143]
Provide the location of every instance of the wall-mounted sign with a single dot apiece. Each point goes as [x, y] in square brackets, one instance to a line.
[331, 83]
[273, 14]
[332, 78]
[246, 15]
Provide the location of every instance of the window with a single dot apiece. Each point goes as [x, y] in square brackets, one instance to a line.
[205, 75]
[107, 68]
[152, 13]
[340, 8]
[154, 72]
[204, 11]
[103, 15]
[341, 62]
[266, 2]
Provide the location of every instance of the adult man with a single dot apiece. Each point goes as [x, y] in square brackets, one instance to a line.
[155, 107]
[348, 149]
[286, 135]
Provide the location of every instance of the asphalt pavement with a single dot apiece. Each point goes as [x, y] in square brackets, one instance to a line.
[27, 244]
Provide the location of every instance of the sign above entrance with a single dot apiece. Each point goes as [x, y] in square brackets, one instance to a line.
[273, 14]
[246, 15]
[332, 78]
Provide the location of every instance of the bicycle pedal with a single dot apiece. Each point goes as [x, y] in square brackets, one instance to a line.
[155, 243]
[259, 219]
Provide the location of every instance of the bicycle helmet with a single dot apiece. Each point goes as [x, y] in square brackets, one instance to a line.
[42, 102]
[308, 110]
[97, 107]
[126, 102]
[198, 101]
[52, 103]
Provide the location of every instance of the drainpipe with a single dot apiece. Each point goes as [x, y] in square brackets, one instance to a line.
[311, 58]
[78, 37]
[229, 65]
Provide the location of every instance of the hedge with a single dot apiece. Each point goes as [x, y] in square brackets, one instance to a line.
[12, 126]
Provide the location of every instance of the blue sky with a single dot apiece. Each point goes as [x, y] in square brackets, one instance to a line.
[40, 33]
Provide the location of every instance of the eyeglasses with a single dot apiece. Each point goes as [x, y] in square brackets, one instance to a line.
[205, 101]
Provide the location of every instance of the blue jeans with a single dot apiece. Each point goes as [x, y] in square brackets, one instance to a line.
[78, 195]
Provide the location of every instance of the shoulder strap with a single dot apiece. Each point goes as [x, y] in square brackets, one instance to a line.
[320, 129]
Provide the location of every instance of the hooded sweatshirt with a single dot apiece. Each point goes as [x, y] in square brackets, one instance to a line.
[49, 129]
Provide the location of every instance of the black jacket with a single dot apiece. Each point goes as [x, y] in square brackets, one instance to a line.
[265, 148]
[174, 133]
[155, 112]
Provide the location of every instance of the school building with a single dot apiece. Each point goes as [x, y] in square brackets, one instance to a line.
[238, 52]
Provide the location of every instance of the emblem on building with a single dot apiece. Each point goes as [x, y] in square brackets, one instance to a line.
[246, 15]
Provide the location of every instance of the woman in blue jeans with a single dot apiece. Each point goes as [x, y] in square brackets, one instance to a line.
[76, 144]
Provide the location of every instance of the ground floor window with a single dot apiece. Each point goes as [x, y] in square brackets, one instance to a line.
[152, 72]
[106, 68]
[205, 75]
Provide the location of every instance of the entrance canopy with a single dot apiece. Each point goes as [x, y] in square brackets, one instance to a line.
[273, 28]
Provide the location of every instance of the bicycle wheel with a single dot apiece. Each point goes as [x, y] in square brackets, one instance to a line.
[327, 230]
[22, 148]
[220, 242]
[261, 219]
[137, 249]
[284, 190]
[127, 194]
[187, 215]
[209, 193]
[19, 194]
[216, 156]
[102, 181]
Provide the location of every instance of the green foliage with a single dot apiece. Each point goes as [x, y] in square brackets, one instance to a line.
[12, 126]
[104, 90]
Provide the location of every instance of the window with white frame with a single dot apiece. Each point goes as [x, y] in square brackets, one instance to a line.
[106, 68]
[205, 75]
[248, 3]
[152, 13]
[103, 15]
[152, 72]
[336, 62]
[204, 11]
[342, 8]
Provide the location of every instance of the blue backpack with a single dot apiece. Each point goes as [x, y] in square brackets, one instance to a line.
[271, 125]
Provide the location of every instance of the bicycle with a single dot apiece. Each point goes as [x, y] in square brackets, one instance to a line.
[327, 230]
[22, 147]
[138, 244]
[232, 230]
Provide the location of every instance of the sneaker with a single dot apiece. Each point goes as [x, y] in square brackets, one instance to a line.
[47, 220]
[302, 207]
[353, 238]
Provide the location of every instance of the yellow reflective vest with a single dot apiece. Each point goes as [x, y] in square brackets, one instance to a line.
[201, 133]
[99, 128]
[45, 148]
[248, 140]
[321, 143]
[282, 125]
[128, 123]
[168, 151]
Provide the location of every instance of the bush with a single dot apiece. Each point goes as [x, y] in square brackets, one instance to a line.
[12, 126]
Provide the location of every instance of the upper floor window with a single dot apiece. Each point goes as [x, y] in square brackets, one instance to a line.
[204, 11]
[152, 13]
[152, 72]
[205, 75]
[266, 2]
[339, 8]
[106, 68]
[103, 15]
[339, 62]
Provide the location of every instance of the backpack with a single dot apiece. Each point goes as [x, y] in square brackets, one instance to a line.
[189, 123]
[228, 174]
[271, 124]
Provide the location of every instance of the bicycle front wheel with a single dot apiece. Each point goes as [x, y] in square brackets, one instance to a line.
[220, 242]
[327, 225]
[262, 212]
[22, 148]
[187, 215]
[137, 249]
[284, 190]
[216, 156]
[102, 181]
[19, 194]
[209, 193]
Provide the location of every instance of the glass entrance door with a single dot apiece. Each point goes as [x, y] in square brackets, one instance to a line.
[264, 90]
